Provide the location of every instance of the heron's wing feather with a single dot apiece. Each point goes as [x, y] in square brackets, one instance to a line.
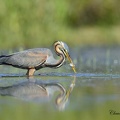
[28, 58]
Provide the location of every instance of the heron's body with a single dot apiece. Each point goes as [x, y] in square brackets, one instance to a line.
[34, 59]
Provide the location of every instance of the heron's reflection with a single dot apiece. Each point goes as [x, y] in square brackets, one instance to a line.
[39, 91]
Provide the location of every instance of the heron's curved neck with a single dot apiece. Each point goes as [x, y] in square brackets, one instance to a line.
[57, 63]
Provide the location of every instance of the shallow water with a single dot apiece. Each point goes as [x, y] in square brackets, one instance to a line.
[91, 93]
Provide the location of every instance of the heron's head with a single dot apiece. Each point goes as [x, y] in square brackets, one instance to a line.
[62, 48]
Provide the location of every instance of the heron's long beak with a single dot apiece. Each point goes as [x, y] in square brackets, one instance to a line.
[71, 62]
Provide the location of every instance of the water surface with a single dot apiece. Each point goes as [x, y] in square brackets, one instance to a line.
[91, 93]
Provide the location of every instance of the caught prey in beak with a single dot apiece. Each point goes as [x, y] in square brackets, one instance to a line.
[71, 62]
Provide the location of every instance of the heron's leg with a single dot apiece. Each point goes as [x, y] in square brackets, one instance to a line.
[30, 72]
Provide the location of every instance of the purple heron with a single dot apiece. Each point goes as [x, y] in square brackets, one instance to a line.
[37, 58]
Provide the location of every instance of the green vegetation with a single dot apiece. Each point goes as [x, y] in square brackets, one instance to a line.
[36, 23]
[25, 111]
[91, 12]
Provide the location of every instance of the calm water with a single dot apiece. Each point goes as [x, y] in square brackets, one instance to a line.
[92, 93]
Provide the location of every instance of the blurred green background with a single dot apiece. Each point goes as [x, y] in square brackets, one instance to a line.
[36, 23]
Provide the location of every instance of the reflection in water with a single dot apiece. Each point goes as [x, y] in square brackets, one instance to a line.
[39, 92]
[61, 102]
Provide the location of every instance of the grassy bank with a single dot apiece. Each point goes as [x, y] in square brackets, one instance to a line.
[39, 23]
[83, 36]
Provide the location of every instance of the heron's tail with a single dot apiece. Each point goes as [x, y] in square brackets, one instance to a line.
[4, 91]
[2, 59]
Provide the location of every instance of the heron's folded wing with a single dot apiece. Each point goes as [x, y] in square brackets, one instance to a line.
[27, 59]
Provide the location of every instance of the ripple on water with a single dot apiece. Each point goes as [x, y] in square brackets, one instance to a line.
[86, 75]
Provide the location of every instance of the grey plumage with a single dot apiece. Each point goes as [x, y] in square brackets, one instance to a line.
[27, 59]
[2, 59]
[35, 59]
